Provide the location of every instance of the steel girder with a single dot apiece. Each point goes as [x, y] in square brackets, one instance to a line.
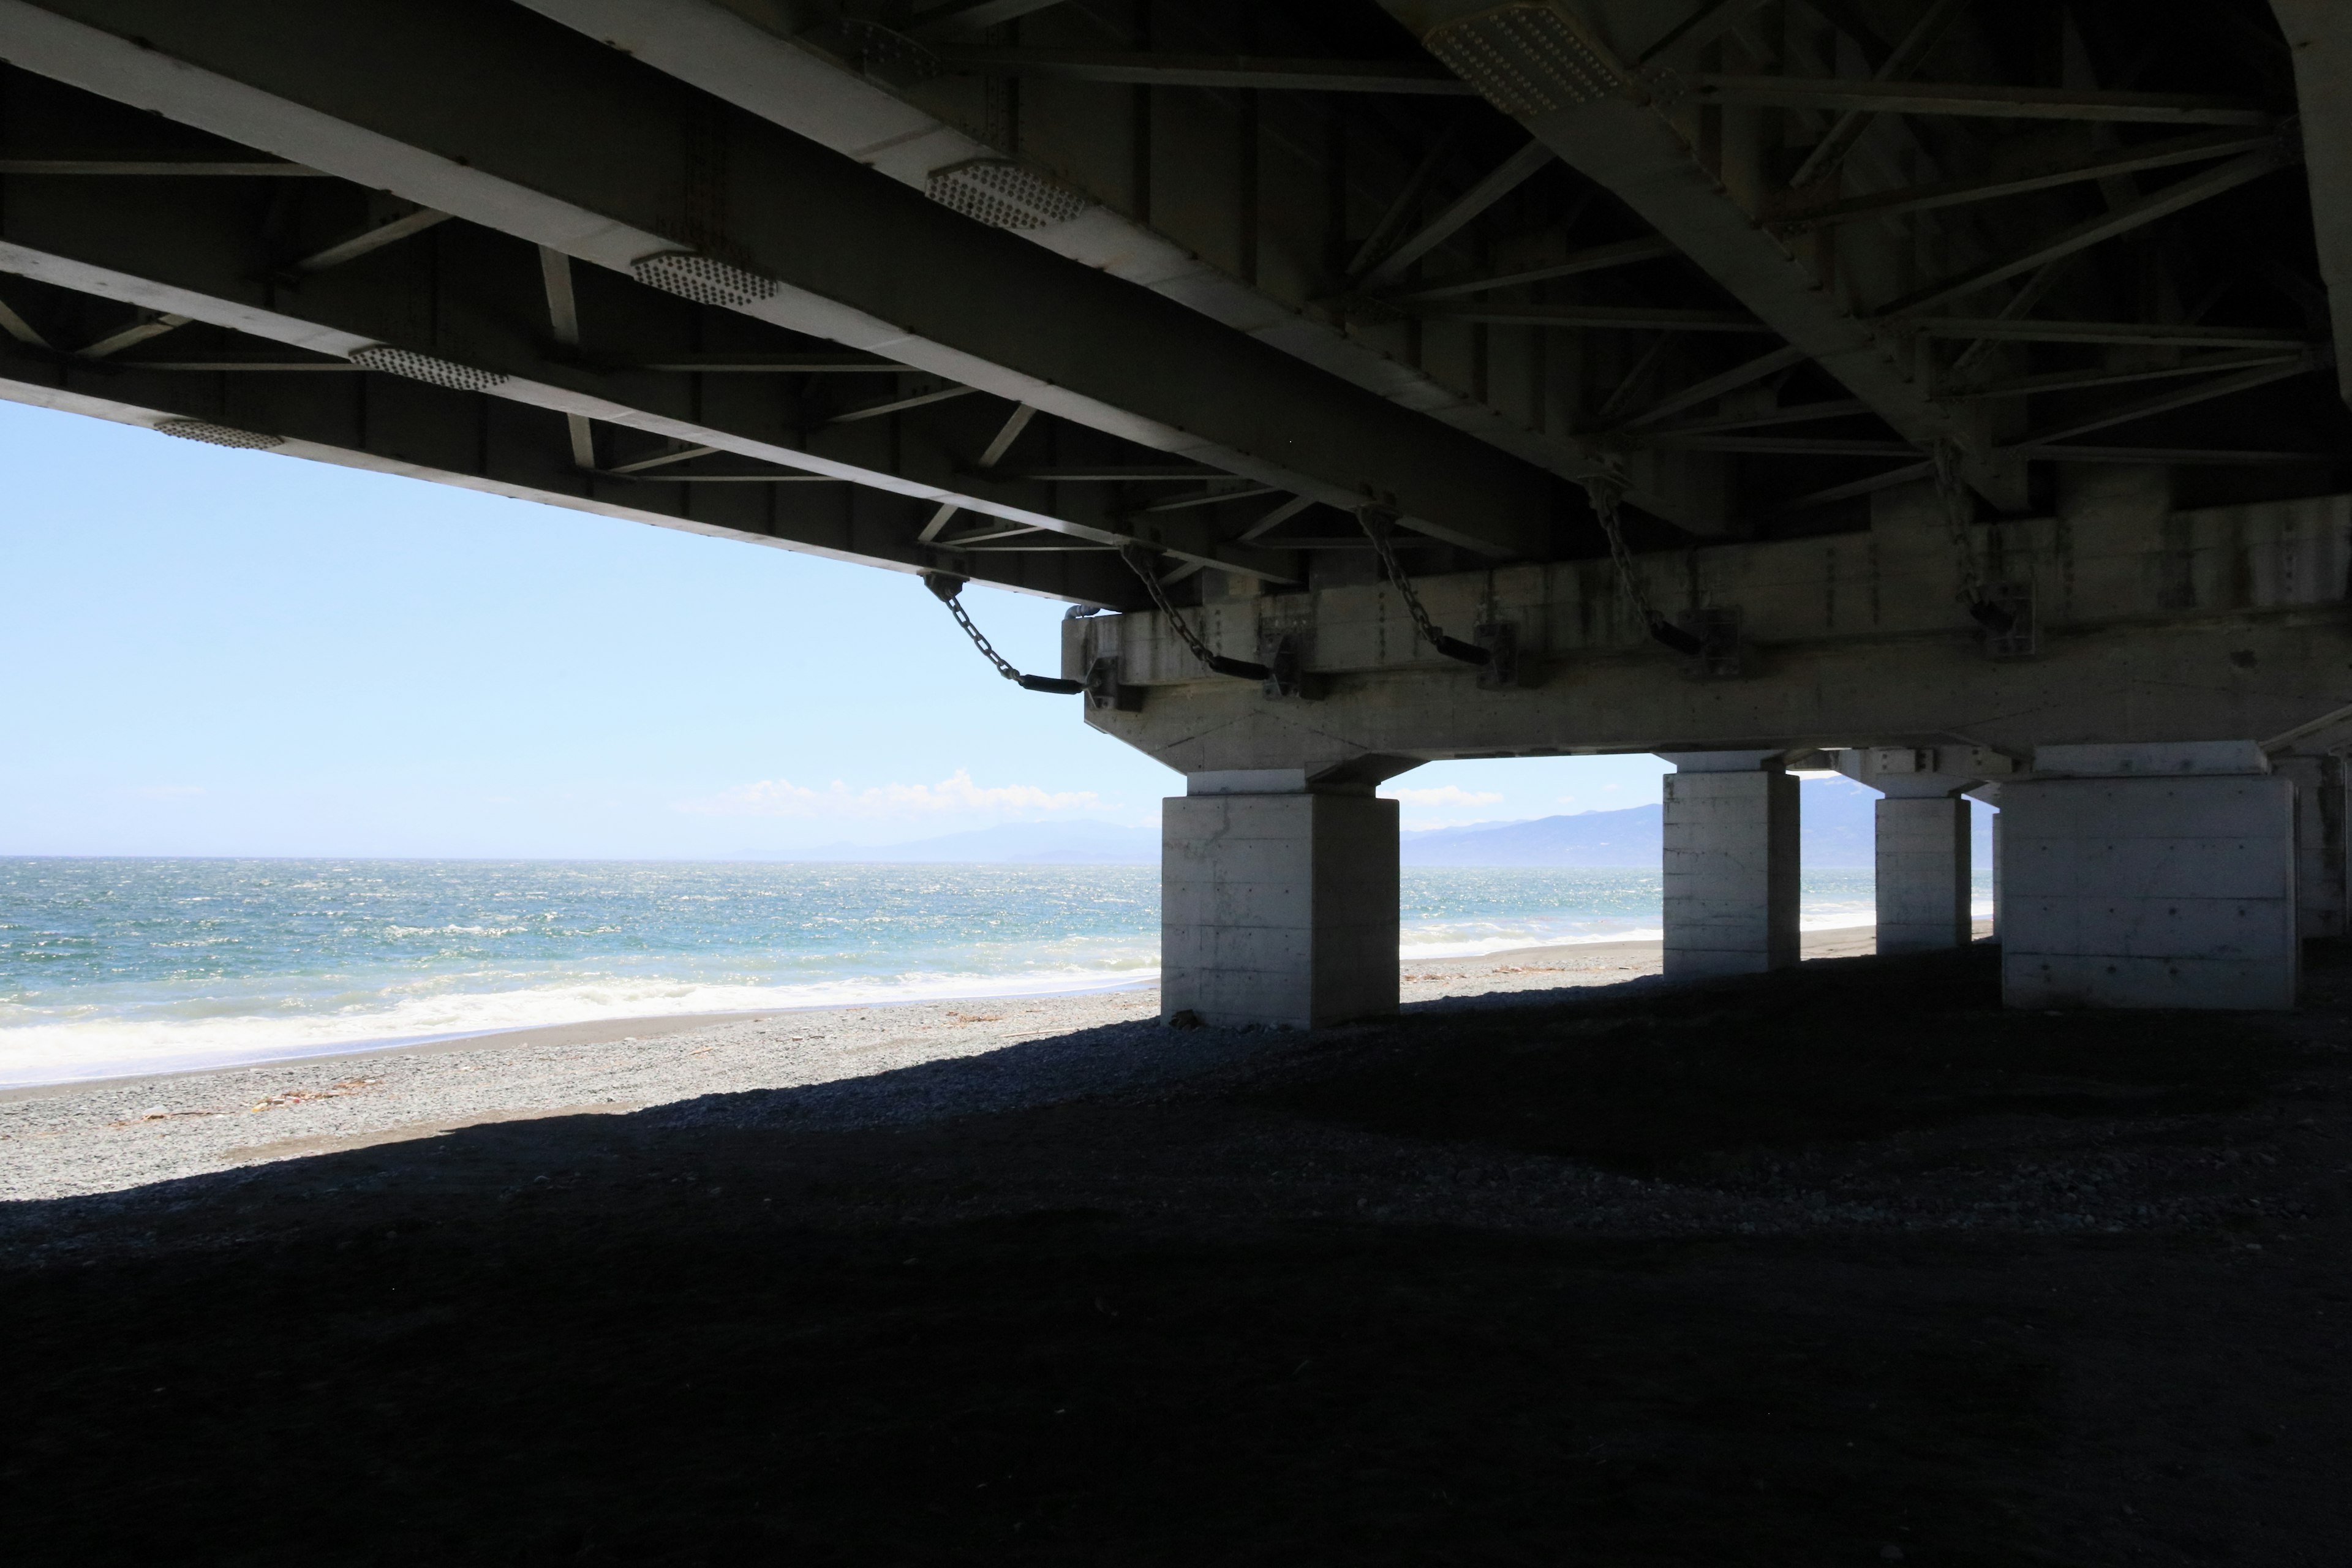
[1620, 127]
[468, 302]
[728, 52]
[515, 122]
[2319, 34]
[393, 426]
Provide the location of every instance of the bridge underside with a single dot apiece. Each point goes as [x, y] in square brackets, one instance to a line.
[1947, 392]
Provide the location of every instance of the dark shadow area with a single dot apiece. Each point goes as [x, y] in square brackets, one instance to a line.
[1841, 1050]
[1816, 1268]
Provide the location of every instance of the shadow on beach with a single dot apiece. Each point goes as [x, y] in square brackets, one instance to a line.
[1823, 1267]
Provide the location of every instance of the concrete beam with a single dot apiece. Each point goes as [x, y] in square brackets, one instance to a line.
[2099, 566]
[2220, 622]
[506, 119]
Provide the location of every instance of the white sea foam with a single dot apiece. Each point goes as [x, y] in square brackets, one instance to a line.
[1481, 938]
[118, 1048]
[114, 968]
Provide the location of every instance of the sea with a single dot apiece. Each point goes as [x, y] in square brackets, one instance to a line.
[114, 967]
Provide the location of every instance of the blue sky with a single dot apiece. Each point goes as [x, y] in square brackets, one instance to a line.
[213, 652]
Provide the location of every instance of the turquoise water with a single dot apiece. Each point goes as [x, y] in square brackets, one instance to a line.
[112, 966]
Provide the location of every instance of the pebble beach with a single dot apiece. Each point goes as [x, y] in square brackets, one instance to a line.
[112, 1134]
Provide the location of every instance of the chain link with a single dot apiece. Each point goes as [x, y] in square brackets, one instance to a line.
[980, 640]
[1138, 560]
[947, 590]
[1960, 510]
[1158, 591]
[1606, 490]
[1377, 521]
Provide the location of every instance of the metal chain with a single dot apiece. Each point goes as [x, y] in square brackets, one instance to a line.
[947, 589]
[1959, 512]
[1141, 565]
[1377, 521]
[979, 640]
[1606, 490]
[1138, 560]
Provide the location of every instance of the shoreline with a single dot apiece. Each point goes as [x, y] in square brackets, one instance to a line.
[1835, 942]
[1587, 955]
[1979, 1279]
[813, 1068]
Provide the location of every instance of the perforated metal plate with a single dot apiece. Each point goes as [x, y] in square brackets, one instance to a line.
[429, 368]
[212, 435]
[1003, 194]
[704, 279]
[1528, 60]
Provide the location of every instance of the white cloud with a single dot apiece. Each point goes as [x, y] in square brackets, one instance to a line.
[957, 793]
[1444, 794]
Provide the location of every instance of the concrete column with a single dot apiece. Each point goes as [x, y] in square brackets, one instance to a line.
[1924, 867]
[1730, 864]
[1999, 831]
[1279, 904]
[2319, 843]
[2149, 876]
[1925, 859]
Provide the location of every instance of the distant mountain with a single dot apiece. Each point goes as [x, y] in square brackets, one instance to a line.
[1013, 843]
[1629, 837]
[1837, 832]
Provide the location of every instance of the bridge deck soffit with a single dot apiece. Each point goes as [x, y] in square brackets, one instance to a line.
[1750, 268]
[397, 425]
[1066, 197]
[662, 379]
[1873, 196]
[561, 142]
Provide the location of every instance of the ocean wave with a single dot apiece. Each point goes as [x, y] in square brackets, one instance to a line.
[114, 1046]
[123, 968]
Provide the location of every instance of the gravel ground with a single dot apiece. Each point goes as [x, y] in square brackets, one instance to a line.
[114, 1134]
[1846, 1264]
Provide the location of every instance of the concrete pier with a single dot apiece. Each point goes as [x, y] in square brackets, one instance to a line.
[1731, 823]
[2319, 843]
[2150, 876]
[1279, 902]
[1924, 867]
[1923, 857]
[2000, 832]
